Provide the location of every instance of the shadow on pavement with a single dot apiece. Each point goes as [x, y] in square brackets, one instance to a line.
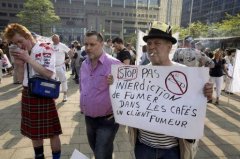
[72, 86]
[216, 133]
[231, 96]
[10, 124]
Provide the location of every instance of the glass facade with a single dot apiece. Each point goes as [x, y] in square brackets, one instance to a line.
[91, 2]
[154, 3]
[77, 15]
[143, 4]
[118, 3]
[130, 3]
[105, 2]
[208, 11]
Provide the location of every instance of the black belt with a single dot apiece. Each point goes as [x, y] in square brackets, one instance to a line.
[110, 116]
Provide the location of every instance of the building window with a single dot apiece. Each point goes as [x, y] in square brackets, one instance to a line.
[117, 3]
[4, 5]
[12, 14]
[105, 2]
[130, 3]
[10, 5]
[143, 4]
[15, 6]
[20, 6]
[3, 14]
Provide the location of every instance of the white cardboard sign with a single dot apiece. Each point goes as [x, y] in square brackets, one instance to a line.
[78, 155]
[161, 99]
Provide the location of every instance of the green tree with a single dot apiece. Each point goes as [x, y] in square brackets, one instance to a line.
[131, 38]
[198, 29]
[214, 31]
[183, 32]
[230, 26]
[38, 16]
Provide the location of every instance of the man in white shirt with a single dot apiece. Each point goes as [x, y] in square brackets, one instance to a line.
[61, 50]
[108, 47]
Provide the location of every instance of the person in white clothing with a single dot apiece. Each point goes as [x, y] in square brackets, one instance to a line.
[61, 50]
[229, 66]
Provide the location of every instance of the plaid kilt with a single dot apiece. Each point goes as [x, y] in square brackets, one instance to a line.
[39, 117]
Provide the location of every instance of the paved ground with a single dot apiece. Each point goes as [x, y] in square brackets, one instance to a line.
[222, 128]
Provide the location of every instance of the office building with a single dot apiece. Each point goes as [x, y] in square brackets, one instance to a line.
[111, 17]
[207, 11]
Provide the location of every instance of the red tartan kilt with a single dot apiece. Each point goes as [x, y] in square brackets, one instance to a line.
[39, 117]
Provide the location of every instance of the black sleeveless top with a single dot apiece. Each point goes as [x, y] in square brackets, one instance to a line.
[217, 71]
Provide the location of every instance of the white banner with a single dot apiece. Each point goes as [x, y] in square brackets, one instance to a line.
[235, 87]
[160, 99]
[140, 44]
[174, 47]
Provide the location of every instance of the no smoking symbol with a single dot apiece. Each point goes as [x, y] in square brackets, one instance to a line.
[176, 82]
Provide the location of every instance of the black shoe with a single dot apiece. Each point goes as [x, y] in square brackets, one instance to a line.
[228, 92]
[216, 102]
[17, 82]
[210, 101]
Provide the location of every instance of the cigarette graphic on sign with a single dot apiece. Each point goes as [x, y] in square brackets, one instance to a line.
[176, 83]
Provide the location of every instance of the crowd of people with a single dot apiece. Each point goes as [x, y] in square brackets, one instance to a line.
[90, 66]
[219, 61]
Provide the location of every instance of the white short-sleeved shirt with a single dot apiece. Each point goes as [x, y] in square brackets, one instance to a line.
[60, 50]
[43, 54]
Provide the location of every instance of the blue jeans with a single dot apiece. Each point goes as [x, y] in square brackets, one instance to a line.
[101, 132]
[143, 151]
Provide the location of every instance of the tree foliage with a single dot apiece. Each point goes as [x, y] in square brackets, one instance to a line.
[38, 16]
[230, 26]
[132, 39]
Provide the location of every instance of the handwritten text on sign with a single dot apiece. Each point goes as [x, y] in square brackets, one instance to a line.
[167, 100]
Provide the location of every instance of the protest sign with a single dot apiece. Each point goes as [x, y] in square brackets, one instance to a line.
[235, 83]
[161, 99]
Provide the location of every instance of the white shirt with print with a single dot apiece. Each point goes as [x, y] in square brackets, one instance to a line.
[43, 54]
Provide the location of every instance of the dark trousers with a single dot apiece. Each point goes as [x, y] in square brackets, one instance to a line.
[143, 151]
[101, 132]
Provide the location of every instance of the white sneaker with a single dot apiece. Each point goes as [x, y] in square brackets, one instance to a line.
[64, 98]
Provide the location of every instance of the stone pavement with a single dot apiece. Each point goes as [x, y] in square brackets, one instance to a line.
[221, 140]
